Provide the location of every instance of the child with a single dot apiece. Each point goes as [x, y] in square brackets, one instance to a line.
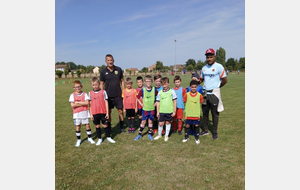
[99, 110]
[166, 108]
[148, 94]
[193, 101]
[180, 92]
[158, 87]
[139, 82]
[79, 101]
[130, 104]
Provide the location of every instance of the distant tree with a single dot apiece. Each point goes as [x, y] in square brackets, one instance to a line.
[199, 65]
[230, 64]
[81, 67]
[221, 56]
[242, 62]
[159, 65]
[191, 62]
[190, 68]
[78, 72]
[89, 69]
[72, 66]
[60, 63]
[58, 73]
[66, 72]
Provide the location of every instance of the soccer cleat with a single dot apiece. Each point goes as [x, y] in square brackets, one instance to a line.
[215, 136]
[184, 140]
[137, 137]
[166, 138]
[129, 130]
[197, 141]
[154, 131]
[123, 130]
[109, 139]
[157, 137]
[78, 143]
[150, 137]
[204, 133]
[163, 132]
[133, 130]
[174, 131]
[99, 142]
[91, 141]
[179, 133]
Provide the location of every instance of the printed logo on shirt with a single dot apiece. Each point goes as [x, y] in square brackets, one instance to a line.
[148, 97]
[116, 72]
[194, 102]
[213, 70]
[106, 73]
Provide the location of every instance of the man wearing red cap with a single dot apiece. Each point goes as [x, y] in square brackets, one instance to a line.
[214, 76]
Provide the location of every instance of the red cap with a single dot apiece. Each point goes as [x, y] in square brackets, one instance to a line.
[210, 51]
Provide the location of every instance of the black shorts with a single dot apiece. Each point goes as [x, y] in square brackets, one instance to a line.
[130, 112]
[115, 102]
[165, 117]
[98, 118]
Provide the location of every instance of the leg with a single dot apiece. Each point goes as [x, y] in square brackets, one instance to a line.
[121, 119]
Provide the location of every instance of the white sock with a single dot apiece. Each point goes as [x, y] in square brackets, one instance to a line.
[168, 127]
[160, 128]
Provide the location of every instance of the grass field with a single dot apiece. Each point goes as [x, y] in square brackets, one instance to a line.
[144, 164]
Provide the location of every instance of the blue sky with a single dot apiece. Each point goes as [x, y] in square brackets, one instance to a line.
[139, 33]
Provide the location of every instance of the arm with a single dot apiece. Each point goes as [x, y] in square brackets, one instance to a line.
[102, 85]
[92, 118]
[175, 107]
[107, 110]
[223, 81]
[122, 84]
[78, 104]
[157, 108]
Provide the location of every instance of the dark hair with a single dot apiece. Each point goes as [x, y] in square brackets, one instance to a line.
[109, 55]
[193, 82]
[157, 76]
[177, 77]
[148, 77]
[164, 80]
[139, 78]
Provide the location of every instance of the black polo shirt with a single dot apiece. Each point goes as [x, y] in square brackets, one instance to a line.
[112, 80]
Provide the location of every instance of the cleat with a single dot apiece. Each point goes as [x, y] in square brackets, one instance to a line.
[197, 141]
[184, 140]
[109, 139]
[99, 142]
[137, 137]
[204, 133]
[154, 131]
[157, 137]
[166, 138]
[150, 137]
[215, 136]
[91, 141]
[179, 133]
[78, 143]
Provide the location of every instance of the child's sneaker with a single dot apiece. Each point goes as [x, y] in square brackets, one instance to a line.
[78, 143]
[150, 137]
[166, 138]
[154, 131]
[197, 141]
[157, 137]
[99, 142]
[109, 139]
[204, 133]
[137, 137]
[179, 133]
[91, 141]
[184, 140]
[133, 130]
[174, 131]
[129, 130]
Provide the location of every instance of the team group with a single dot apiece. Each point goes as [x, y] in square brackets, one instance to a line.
[156, 105]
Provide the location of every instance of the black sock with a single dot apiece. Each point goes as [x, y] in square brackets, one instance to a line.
[186, 132]
[133, 124]
[107, 132]
[141, 130]
[122, 124]
[109, 125]
[140, 121]
[129, 123]
[155, 124]
[197, 132]
[98, 131]
[89, 133]
[78, 134]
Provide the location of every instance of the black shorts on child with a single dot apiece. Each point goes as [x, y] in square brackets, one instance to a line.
[130, 112]
[98, 118]
[165, 117]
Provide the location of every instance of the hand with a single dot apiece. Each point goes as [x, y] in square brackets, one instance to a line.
[157, 114]
[173, 114]
[92, 118]
[107, 116]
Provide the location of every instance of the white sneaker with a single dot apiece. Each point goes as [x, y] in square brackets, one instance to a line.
[91, 140]
[99, 142]
[184, 140]
[78, 143]
[157, 137]
[166, 138]
[109, 139]
[197, 141]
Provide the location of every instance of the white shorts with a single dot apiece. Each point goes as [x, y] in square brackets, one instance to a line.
[80, 121]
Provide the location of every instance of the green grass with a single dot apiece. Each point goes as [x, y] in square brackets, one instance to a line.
[145, 164]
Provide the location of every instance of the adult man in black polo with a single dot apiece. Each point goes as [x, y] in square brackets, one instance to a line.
[112, 77]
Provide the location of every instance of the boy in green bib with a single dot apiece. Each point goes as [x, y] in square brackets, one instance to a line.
[192, 100]
[166, 108]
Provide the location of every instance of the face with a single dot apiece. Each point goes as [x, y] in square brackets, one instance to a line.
[165, 85]
[210, 59]
[139, 83]
[77, 88]
[177, 83]
[194, 88]
[148, 83]
[109, 61]
[157, 82]
[95, 85]
[128, 85]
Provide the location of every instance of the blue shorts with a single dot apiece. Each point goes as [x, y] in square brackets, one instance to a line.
[192, 122]
[147, 115]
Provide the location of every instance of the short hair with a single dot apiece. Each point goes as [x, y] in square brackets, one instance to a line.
[164, 80]
[95, 79]
[139, 78]
[157, 76]
[148, 77]
[109, 55]
[128, 80]
[77, 82]
[177, 77]
[194, 82]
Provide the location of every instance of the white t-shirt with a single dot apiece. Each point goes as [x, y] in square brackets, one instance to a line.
[83, 114]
